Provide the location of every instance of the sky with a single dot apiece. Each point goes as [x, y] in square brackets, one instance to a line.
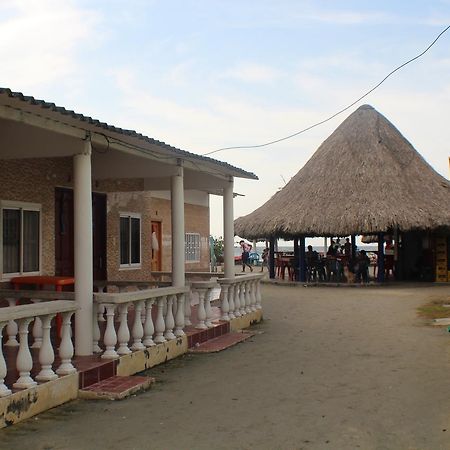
[207, 74]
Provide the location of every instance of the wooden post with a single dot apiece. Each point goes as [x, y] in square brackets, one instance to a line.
[380, 258]
[302, 260]
[272, 257]
[296, 260]
[353, 241]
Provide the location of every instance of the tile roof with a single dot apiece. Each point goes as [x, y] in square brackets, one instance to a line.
[131, 133]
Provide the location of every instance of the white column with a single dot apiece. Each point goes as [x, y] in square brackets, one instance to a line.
[83, 250]
[228, 230]
[177, 202]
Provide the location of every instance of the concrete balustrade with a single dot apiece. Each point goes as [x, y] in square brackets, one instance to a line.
[240, 295]
[24, 315]
[144, 332]
[204, 290]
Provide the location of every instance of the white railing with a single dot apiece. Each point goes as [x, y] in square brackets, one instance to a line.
[240, 295]
[169, 323]
[123, 286]
[42, 314]
[189, 276]
[204, 290]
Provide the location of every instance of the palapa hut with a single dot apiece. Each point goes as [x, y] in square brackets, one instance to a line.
[366, 178]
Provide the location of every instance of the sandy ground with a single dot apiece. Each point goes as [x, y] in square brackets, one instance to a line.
[331, 368]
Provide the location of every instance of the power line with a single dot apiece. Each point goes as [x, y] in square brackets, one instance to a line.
[340, 111]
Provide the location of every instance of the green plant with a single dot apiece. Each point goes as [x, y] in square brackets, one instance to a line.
[218, 249]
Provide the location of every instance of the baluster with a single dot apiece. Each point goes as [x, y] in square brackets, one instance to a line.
[242, 298]
[201, 312]
[231, 301]
[4, 391]
[179, 318]
[208, 309]
[46, 353]
[160, 325]
[187, 309]
[37, 329]
[123, 333]
[110, 336]
[170, 323]
[138, 330]
[101, 311]
[12, 328]
[24, 361]
[224, 306]
[248, 296]
[148, 324]
[66, 346]
[253, 304]
[237, 303]
[258, 294]
[96, 328]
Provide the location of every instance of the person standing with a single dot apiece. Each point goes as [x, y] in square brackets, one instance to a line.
[265, 259]
[245, 255]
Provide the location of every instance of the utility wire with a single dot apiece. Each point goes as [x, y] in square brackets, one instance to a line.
[340, 111]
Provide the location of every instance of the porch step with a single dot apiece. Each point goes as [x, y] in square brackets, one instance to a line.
[116, 388]
[221, 343]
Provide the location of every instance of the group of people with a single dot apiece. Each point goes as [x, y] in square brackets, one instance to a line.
[339, 264]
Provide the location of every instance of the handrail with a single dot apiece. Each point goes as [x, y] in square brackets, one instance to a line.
[36, 294]
[36, 310]
[126, 297]
[121, 283]
[240, 278]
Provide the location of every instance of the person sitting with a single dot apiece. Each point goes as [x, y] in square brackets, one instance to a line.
[312, 259]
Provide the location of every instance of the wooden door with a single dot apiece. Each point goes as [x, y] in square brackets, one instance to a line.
[156, 246]
[99, 236]
[64, 261]
[64, 234]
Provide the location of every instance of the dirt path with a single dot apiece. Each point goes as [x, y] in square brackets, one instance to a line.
[334, 368]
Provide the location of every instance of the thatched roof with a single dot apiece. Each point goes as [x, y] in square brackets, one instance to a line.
[365, 178]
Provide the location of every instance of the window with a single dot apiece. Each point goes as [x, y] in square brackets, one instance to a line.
[192, 247]
[21, 238]
[130, 240]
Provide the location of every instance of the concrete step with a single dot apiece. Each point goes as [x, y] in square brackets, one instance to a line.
[222, 342]
[116, 388]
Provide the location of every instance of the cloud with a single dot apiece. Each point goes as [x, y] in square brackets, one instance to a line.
[252, 73]
[40, 38]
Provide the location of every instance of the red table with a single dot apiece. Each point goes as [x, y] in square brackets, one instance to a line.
[44, 280]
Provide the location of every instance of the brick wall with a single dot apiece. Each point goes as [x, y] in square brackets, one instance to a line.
[35, 180]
